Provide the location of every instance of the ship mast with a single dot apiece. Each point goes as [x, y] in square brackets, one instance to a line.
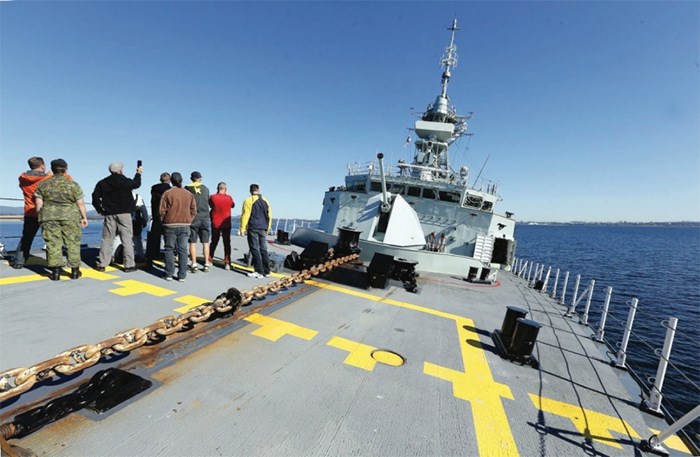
[440, 125]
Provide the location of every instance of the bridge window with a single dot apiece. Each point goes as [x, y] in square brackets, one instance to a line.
[452, 197]
[487, 206]
[398, 188]
[357, 187]
[429, 193]
[413, 192]
[376, 186]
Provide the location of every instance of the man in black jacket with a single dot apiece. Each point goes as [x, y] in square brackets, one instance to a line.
[112, 198]
[156, 232]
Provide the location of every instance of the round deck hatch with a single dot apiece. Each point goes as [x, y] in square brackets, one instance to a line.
[388, 357]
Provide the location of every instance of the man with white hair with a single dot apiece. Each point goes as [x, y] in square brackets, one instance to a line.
[112, 198]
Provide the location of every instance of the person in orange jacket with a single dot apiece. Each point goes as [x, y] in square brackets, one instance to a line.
[28, 182]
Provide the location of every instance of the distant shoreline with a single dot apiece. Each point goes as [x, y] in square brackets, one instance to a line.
[19, 217]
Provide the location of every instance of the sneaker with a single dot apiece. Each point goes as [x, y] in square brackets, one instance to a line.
[193, 268]
[227, 267]
[168, 278]
[205, 268]
[255, 275]
[267, 275]
[180, 279]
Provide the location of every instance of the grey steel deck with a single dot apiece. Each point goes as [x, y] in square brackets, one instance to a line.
[296, 375]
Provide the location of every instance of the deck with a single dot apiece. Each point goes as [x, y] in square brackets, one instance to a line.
[322, 369]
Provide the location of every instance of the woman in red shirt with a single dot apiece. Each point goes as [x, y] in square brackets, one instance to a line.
[221, 204]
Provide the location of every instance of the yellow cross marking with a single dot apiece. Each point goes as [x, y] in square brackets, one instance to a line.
[133, 287]
[190, 301]
[476, 385]
[673, 442]
[590, 424]
[273, 329]
[491, 425]
[360, 355]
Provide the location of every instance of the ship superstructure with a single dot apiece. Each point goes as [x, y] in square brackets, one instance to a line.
[425, 210]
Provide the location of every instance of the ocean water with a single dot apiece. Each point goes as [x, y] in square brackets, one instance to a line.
[659, 265]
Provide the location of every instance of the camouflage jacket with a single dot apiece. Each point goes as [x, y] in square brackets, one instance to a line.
[60, 196]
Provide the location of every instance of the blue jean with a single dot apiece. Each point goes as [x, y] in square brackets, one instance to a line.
[176, 238]
[257, 242]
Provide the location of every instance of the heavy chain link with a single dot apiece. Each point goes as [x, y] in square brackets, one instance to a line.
[19, 380]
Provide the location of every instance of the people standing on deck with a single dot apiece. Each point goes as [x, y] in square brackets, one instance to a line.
[112, 198]
[221, 204]
[177, 211]
[200, 225]
[28, 182]
[139, 221]
[256, 221]
[155, 234]
[61, 211]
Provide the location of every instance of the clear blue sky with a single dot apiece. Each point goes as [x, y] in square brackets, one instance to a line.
[586, 110]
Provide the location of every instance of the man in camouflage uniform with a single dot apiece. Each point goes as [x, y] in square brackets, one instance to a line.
[61, 209]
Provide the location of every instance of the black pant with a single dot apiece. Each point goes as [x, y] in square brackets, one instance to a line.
[153, 241]
[29, 230]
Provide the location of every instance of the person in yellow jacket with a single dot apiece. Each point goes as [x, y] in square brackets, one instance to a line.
[256, 222]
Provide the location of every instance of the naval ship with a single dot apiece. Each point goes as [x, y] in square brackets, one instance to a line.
[427, 212]
[367, 340]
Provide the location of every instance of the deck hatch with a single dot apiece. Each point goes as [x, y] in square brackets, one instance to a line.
[387, 357]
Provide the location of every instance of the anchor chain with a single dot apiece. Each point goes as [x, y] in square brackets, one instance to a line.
[19, 380]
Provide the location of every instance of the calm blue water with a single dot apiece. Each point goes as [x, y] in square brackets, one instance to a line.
[658, 265]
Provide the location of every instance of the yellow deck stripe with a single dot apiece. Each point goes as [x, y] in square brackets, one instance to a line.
[87, 273]
[190, 301]
[360, 355]
[133, 287]
[22, 279]
[475, 384]
[491, 424]
[589, 423]
[273, 329]
[387, 301]
[674, 442]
